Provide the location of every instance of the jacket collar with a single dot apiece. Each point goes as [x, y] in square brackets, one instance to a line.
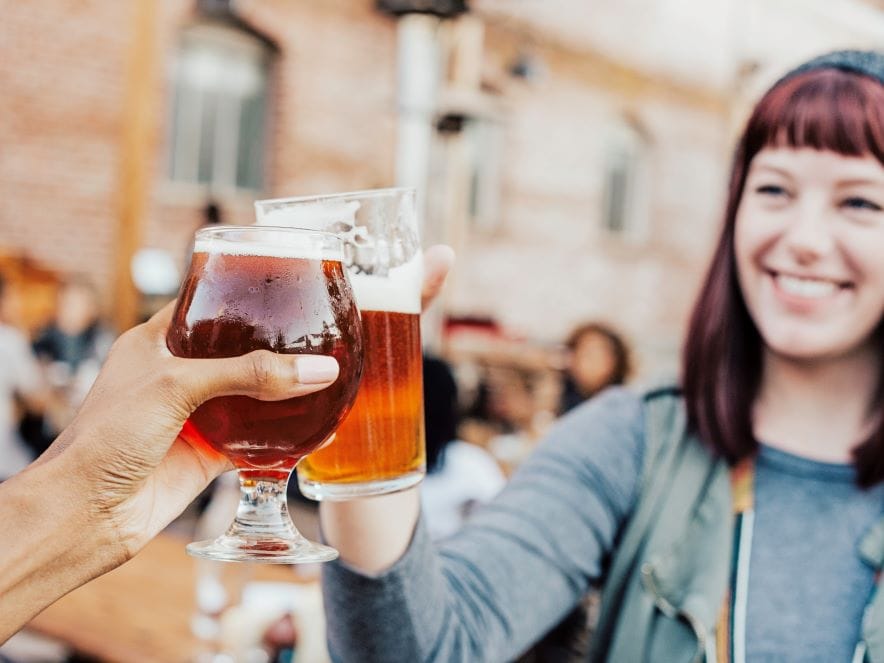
[689, 576]
[871, 549]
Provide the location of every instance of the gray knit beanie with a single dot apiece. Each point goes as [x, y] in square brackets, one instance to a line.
[868, 63]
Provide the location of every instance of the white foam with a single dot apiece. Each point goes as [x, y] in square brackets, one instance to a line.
[316, 215]
[293, 247]
[398, 292]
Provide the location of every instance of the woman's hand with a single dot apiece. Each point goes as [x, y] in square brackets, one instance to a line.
[438, 261]
[120, 472]
[371, 533]
[124, 440]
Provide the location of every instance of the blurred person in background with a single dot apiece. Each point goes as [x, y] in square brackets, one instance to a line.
[21, 387]
[77, 335]
[597, 358]
[211, 215]
[460, 475]
[733, 516]
[76, 342]
[513, 414]
[71, 349]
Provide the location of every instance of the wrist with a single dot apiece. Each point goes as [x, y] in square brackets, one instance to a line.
[371, 533]
[52, 540]
[90, 502]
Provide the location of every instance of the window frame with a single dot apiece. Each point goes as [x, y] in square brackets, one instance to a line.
[184, 151]
[626, 154]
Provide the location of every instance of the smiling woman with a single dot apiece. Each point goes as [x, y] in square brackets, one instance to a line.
[748, 530]
[795, 291]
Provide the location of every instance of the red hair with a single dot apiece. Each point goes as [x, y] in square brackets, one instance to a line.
[822, 109]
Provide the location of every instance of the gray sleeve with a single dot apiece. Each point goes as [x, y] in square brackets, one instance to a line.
[520, 564]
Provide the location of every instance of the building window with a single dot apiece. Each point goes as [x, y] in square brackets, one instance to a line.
[219, 109]
[625, 211]
[465, 179]
[483, 138]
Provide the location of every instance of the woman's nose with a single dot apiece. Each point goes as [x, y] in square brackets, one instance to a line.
[809, 235]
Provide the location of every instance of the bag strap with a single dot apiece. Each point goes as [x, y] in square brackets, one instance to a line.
[665, 424]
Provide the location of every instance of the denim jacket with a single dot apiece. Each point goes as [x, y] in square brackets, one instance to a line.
[669, 577]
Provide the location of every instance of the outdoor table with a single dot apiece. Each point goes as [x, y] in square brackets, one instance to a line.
[140, 612]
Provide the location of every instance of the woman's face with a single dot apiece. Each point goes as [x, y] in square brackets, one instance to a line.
[809, 244]
[593, 362]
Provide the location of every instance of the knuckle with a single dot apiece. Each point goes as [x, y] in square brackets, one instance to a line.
[124, 340]
[133, 342]
[171, 385]
[265, 373]
[168, 378]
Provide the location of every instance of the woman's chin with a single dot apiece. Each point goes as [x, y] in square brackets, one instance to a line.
[806, 347]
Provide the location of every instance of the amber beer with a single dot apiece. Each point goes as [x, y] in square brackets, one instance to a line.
[380, 445]
[379, 448]
[234, 303]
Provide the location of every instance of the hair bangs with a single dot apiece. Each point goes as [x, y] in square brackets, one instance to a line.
[825, 109]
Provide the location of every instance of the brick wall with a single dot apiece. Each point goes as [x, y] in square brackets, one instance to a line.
[332, 110]
[547, 265]
[61, 72]
[550, 264]
[63, 69]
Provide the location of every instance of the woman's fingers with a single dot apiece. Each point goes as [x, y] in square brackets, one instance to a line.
[438, 260]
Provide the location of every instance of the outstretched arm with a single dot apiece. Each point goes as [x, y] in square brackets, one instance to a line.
[520, 564]
[120, 473]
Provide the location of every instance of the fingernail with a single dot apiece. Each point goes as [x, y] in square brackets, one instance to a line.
[313, 369]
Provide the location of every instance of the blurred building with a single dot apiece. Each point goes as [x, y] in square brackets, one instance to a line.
[574, 153]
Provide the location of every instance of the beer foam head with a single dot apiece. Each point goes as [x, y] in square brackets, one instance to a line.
[399, 291]
[318, 215]
[282, 244]
[385, 269]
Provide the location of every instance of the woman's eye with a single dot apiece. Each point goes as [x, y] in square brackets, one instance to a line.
[774, 190]
[856, 202]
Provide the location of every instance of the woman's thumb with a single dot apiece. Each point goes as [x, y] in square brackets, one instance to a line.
[265, 375]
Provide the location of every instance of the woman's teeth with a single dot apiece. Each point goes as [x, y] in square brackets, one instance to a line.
[807, 288]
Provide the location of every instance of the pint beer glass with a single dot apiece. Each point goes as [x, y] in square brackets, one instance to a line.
[379, 447]
[283, 290]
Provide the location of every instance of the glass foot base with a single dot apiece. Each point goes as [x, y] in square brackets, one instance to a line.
[263, 551]
[339, 492]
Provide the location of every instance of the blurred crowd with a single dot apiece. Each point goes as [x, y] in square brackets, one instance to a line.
[45, 375]
[476, 407]
[483, 416]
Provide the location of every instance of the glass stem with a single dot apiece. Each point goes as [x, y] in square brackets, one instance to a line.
[263, 512]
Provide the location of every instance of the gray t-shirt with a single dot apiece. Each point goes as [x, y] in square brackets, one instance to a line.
[807, 584]
[525, 560]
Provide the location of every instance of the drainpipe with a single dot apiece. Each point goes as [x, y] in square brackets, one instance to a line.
[418, 73]
[418, 81]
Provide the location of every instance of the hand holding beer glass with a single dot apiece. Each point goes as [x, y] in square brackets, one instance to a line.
[379, 447]
[283, 290]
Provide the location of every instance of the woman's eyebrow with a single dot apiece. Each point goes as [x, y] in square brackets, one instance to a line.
[769, 167]
[859, 181]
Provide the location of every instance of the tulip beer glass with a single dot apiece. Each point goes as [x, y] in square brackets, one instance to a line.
[283, 290]
[379, 448]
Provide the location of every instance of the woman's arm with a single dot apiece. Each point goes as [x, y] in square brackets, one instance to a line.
[119, 473]
[521, 563]
[50, 544]
[373, 533]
